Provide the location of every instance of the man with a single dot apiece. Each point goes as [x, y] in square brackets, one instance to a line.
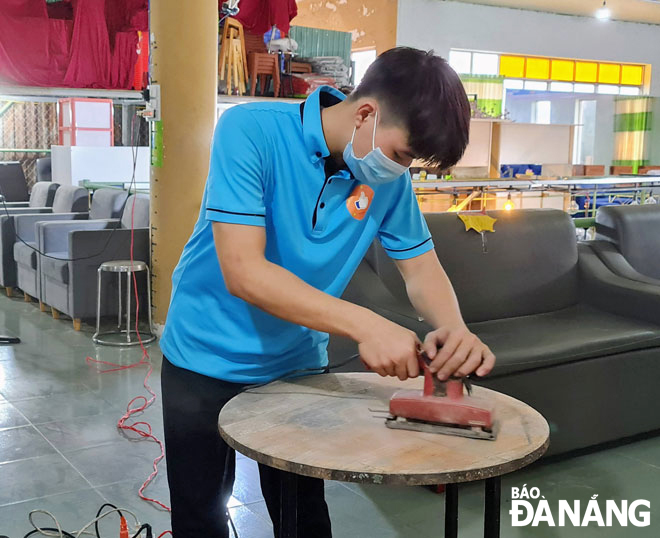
[295, 195]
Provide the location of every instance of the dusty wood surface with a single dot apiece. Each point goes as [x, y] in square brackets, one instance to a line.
[327, 426]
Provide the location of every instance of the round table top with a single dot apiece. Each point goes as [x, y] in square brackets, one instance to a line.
[123, 266]
[332, 426]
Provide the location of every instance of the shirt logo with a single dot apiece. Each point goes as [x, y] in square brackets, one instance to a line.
[359, 201]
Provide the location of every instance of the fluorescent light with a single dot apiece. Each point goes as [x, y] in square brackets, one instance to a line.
[604, 12]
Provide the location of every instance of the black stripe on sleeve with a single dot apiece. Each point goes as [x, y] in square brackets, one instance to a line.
[235, 213]
[411, 248]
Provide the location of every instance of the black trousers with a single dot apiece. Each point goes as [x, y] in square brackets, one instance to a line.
[200, 465]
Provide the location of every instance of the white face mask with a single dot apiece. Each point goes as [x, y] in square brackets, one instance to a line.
[375, 167]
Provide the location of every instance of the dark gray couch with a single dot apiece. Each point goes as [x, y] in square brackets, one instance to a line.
[580, 346]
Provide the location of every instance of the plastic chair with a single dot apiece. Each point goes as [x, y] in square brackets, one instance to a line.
[261, 64]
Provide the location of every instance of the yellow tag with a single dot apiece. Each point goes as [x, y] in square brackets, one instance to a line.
[477, 222]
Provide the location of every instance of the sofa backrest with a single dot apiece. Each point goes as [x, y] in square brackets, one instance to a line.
[529, 265]
[139, 216]
[107, 204]
[635, 231]
[71, 199]
[43, 194]
[12, 182]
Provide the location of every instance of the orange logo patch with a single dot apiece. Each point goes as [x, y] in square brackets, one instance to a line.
[359, 201]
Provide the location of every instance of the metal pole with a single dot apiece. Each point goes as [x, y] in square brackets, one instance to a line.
[492, 507]
[451, 511]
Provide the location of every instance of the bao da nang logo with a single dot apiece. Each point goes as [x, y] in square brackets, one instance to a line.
[530, 508]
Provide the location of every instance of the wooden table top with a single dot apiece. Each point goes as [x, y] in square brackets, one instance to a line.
[328, 426]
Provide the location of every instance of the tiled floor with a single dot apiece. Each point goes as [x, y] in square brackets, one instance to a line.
[60, 451]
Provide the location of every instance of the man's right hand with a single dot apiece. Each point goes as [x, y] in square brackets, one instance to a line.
[390, 349]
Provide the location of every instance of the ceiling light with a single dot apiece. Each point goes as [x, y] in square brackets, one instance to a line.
[604, 12]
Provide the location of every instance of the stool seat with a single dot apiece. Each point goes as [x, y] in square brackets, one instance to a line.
[123, 266]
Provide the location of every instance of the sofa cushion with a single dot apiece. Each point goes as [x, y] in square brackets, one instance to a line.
[137, 211]
[529, 265]
[635, 230]
[24, 255]
[41, 192]
[56, 269]
[71, 199]
[571, 334]
[107, 204]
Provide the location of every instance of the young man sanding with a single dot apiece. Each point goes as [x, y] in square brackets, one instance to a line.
[296, 194]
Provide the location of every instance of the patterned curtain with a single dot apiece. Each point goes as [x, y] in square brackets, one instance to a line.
[632, 128]
[487, 91]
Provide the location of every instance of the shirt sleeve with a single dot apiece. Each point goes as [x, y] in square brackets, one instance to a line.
[236, 185]
[403, 232]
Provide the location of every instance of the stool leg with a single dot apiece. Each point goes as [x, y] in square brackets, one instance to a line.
[149, 299]
[119, 307]
[98, 303]
[9, 290]
[128, 307]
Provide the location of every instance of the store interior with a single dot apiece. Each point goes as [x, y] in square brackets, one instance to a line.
[548, 228]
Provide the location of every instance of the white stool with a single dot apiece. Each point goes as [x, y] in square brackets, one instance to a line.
[123, 266]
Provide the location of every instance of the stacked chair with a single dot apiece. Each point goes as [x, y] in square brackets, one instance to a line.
[74, 251]
[68, 202]
[13, 187]
[106, 204]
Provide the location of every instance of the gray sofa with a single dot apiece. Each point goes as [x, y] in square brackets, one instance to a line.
[571, 340]
[106, 204]
[68, 284]
[42, 195]
[68, 201]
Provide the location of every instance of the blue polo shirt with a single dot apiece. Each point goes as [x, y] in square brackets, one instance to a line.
[267, 168]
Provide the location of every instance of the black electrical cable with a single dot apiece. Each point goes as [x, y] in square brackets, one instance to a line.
[107, 242]
[96, 524]
[50, 529]
[321, 370]
[146, 527]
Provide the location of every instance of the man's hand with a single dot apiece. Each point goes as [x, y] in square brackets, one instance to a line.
[462, 353]
[389, 349]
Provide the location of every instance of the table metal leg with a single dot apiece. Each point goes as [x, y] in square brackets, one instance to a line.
[492, 507]
[289, 506]
[451, 511]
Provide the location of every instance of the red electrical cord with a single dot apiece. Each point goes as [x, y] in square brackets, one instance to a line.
[144, 360]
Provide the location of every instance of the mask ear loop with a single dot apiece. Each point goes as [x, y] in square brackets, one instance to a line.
[373, 139]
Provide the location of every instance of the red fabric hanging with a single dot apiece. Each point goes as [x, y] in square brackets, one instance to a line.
[258, 16]
[97, 49]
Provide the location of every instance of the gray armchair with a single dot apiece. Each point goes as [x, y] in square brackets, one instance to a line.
[41, 195]
[628, 241]
[74, 252]
[106, 204]
[68, 201]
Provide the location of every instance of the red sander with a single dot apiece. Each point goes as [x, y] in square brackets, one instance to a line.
[442, 407]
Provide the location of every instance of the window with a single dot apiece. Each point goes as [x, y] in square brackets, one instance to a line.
[535, 85]
[608, 89]
[584, 88]
[485, 64]
[361, 60]
[461, 61]
[585, 131]
[629, 90]
[541, 112]
[561, 87]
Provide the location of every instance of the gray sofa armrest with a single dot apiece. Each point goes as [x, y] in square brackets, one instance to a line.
[54, 236]
[617, 263]
[24, 210]
[98, 246]
[602, 288]
[25, 224]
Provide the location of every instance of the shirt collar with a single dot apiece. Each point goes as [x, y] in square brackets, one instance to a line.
[317, 147]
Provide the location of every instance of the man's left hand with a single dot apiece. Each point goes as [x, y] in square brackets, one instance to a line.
[455, 351]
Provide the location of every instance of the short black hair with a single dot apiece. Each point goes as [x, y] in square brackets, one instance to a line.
[422, 93]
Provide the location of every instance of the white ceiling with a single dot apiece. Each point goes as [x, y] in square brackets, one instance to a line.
[625, 10]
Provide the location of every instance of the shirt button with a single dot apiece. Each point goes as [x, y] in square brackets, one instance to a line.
[329, 181]
[318, 154]
[322, 205]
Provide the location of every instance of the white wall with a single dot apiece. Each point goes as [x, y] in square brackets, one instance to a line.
[443, 25]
